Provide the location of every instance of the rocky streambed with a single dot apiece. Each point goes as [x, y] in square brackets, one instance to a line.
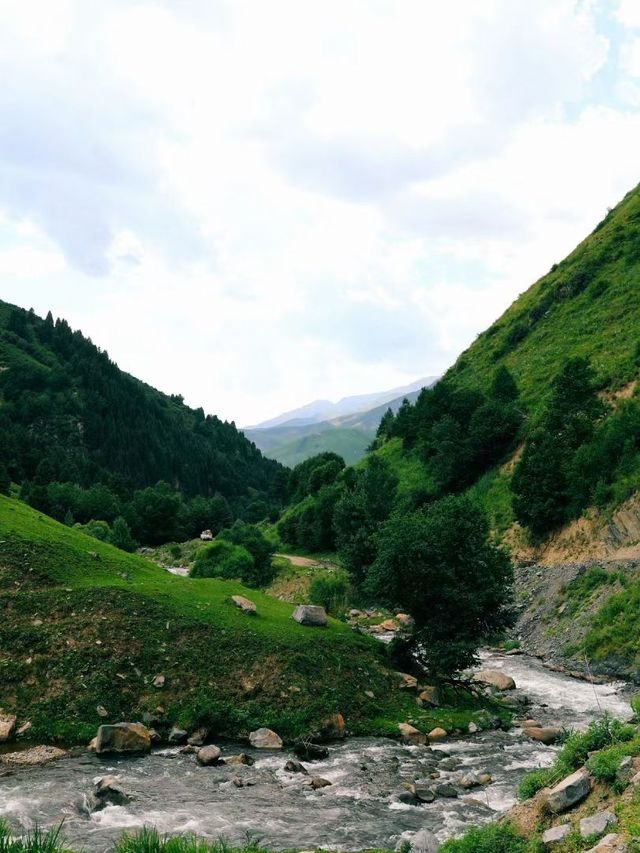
[366, 804]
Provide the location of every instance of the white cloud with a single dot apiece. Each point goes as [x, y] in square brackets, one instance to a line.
[263, 203]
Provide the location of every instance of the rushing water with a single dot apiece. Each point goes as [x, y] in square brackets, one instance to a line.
[359, 810]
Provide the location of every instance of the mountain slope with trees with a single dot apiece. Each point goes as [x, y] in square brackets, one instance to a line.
[69, 417]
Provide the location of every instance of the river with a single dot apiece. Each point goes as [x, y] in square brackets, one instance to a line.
[359, 810]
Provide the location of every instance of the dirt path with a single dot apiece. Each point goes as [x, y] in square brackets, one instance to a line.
[305, 562]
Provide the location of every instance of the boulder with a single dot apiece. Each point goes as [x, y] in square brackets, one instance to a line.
[612, 843]
[123, 738]
[410, 734]
[333, 728]
[495, 678]
[445, 789]
[310, 751]
[177, 736]
[293, 766]
[570, 791]
[23, 729]
[311, 615]
[407, 682]
[7, 726]
[404, 619]
[469, 780]
[556, 834]
[159, 681]
[485, 778]
[429, 696]
[544, 734]
[389, 625]
[265, 739]
[245, 604]
[240, 758]
[423, 791]
[318, 782]
[101, 711]
[199, 737]
[206, 756]
[33, 757]
[597, 824]
[472, 728]
[108, 792]
[437, 734]
[424, 841]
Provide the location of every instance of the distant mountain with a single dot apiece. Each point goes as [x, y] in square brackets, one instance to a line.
[348, 434]
[324, 410]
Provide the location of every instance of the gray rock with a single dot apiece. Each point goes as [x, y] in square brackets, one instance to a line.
[424, 792]
[469, 780]
[310, 751]
[208, 755]
[445, 789]
[310, 614]
[556, 834]
[177, 735]
[570, 791]
[108, 792]
[611, 843]
[265, 739]
[199, 737]
[240, 758]
[318, 782]
[424, 841]
[245, 604]
[597, 823]
[293, 766]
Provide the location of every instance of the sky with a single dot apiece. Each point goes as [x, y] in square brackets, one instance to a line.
[256, 204]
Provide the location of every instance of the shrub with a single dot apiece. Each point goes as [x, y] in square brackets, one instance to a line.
[331, 591]
[494, 838]
[536, 781]
[261, 549]
[98, 529]
[604, 765]
[222, 559]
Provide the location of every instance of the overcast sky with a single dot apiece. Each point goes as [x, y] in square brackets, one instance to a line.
[256, 203]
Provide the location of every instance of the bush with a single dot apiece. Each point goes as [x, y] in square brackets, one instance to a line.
[261, 549]
[222, 559]
[98, 529]
[604, 765]
[494, 838]
[121, 537]
[331, 591]
[536, 781]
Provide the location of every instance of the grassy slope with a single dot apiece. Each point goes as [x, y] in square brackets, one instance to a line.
[601, 323]
[85, 624]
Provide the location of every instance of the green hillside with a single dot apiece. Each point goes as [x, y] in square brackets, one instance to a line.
[587, 305]
[85, 624]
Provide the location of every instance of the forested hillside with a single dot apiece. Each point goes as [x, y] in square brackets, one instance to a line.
[70, 417]
[537, 423]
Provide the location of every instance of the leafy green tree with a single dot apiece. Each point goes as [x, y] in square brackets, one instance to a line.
[308, 477]
[363, 506]
[153, 514]
[98, 529]
[222, 559]
[438, 564]
[261, 549]
[539, 484]
[121, 536]
[503, 386]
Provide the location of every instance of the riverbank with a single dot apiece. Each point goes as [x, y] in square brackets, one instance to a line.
[368, 804]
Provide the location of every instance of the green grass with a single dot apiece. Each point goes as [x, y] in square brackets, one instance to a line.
[35, 841]
[85, 624]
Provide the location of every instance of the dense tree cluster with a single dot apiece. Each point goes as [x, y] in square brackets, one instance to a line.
[580, 453]
[91, 442]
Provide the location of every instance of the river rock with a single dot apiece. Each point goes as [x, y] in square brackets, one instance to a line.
[245, 604]
[437, 734]
[429, 696]
[472, 728]
[410, 734]
[199, 737]
[207, 756]
[556, 834]
[469, 780]
[407, 682]
[159, 681]
[310, 751]
[423, 791]
[388, 625]
[123, 738]
[240, 758]
[485, 778]
[570, 791]
[318, 782]
[404, 619]
[597, 823]
[33, 757]
[265, 739]
[445, 789]
[424, 841]
[544, 734]
[311, 615]
[177, 736]
[495, 678]
[293, 766]
[108, 792]
[7, 726]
